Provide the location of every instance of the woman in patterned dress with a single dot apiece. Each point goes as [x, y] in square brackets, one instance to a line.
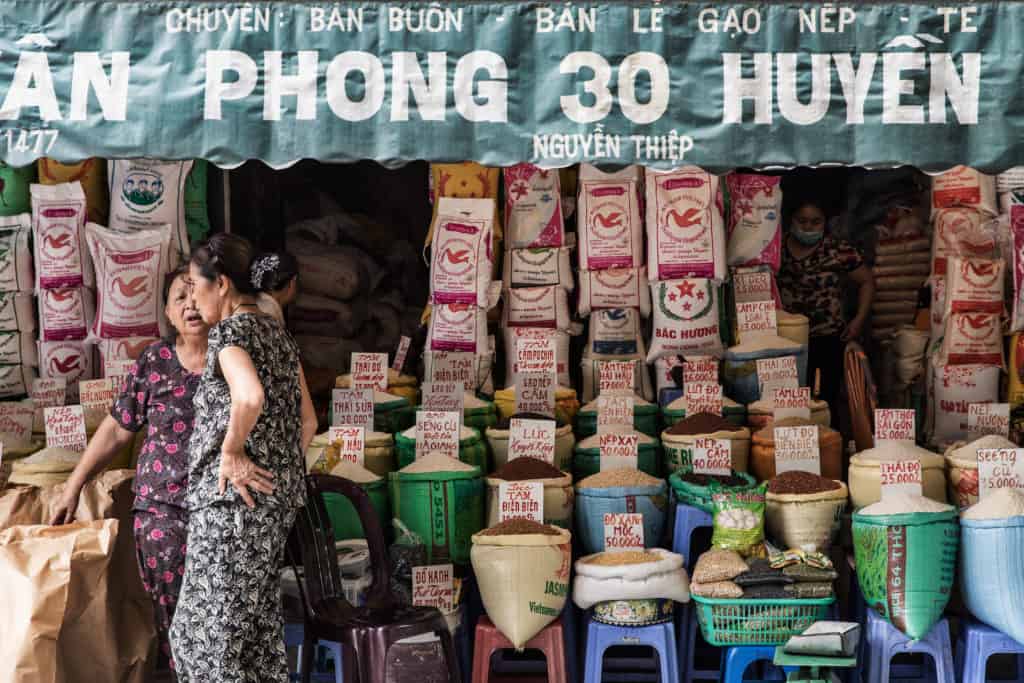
[815, 269]
[158, 392]
[254, 419]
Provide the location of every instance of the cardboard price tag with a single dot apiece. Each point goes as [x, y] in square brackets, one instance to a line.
[535, 393]
[615, 375]
[791, 402]
[117, 371]
[536, 355]
[988, 418]
[614, 409]
[1000, 468]
[521, 500]
[453, 366]
[623, 531]
[444, 397]
[532, 439]
[400, 353]
[900, 476]
[48, 392]
[16, 419]
[777, 373]
[755, 318]
[434, 586]
[894, 425]
[712, 456]
[751, 287]
[700, 370]
[96, 397]
[65, 428]
[370, 371]
[703, 398]
[351, 442]
[352, 407]
[796, 448]
[437, 433]
[618, 451]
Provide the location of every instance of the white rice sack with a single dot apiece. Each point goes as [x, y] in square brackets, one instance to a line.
[663, 373]
[591, 366]
[685, 228]
[1010, 180]
[538, 268]
[457, 327]
[66, 313]
[533, 207]
[755, 220]
[546, 307]
[964, 187]
[58, 234]
[337, 272]
[18, 348]
[69, 360]
[1016, 226]
[956, 387]
[513, 334]
[937, 310]
[128, 348]
[130, 272]
[962, 232]
[615, 332]
[145, 193]
[16, 380]
[617, 288]
[461, 265]
[974, 285]
[16, 273]
[686, 319]
[664, 579]
[321, 315]
[609, 225]
[972, 339]
[16, 312]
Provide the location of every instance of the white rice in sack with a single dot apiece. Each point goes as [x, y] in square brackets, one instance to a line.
[460, 271]
[686, 319]
[616, 288]
[609, 225]
[685, 229]
[533, 207]
[145, 193]
[58, 234]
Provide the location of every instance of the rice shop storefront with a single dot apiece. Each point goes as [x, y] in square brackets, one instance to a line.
[706, 242]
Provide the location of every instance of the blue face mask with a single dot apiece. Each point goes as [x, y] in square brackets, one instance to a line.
[806, 238]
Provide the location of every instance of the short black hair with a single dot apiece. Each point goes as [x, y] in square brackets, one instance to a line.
[229, 255]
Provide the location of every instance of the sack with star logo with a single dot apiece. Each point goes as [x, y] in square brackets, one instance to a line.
[533, 208]
[687, 318]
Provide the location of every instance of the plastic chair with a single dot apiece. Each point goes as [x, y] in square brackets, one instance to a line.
[976, 644]
[688, 520]
[489, 639]
[885, 641]
[689, 632]
[661, 637]
[367, 633]
[737, 659]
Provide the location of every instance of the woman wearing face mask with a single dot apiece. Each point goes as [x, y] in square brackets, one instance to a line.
[158, 392]
[254, 420]
[815, 269]
[276, 276]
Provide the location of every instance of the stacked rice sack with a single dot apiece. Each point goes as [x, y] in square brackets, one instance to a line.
[1010, 188]
[18, 360]
[614, 291]
[902, 265]
[969, 271]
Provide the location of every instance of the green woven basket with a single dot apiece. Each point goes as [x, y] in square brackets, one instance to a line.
[587, 461]
[725, 623]
[472, 451]
[645, 420]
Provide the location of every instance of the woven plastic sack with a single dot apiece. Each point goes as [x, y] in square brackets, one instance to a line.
[961, 232]
[663, 579]
[197, 219]
[608, 218]
[16, 274]
[533, 208]
[687, 315]
[991, 573]
[16, 312]
[461, 262]
[614, 288]
[538, 268]
[58, 234]
[457, 327]
[754, 220]
[465, 180]
[14, 192]
[685, 229]
[513, 334]
[964, 187]
[615, 332]
[546, 307]
[145, 193]
[65, 313]
[91, 173]
[972, 339]
[974, 286]
[69, 360]
[16, 380]
[592, 504]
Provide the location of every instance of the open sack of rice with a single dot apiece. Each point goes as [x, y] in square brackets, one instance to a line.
[46, 467]
[654, 574]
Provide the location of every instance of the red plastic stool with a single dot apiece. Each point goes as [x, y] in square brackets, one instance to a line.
[489, 639]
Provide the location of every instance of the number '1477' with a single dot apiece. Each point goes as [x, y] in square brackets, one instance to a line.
[37, 142]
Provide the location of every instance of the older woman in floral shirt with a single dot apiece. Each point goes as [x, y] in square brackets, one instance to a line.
[159, 393]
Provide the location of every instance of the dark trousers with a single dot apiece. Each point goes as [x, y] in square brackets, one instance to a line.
[825, 357]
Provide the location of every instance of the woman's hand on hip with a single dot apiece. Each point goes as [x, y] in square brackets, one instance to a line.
[853, 330]
[238, 469]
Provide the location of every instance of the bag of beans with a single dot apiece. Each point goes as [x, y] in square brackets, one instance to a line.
[561, 338]
[522, 569]
[654, 574]
[69, 360]
[614, 288]
[16, 312]
[538, 268]
[972, 338]
[685, 229]
[16, 273]
[591, 366]
[755, 220]
[460, 271]
[615, 332]
[58, 233]
[533, 207]
[964, 187]
[546, 307]
[558, 492]
[974, 286]
[608, 218]
[65, 313]
[457, 327]
[145, 193]
[804, 510]
[91, 173]
[686, 318]
[130, 271]
[14, 192]
[956, 387]
[961, 232]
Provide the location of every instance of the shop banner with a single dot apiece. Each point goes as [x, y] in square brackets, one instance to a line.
[717, 85]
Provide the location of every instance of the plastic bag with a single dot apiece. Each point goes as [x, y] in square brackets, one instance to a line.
[738, 519]
[406, 552]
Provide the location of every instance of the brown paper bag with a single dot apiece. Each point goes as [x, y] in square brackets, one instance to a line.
[79, 594]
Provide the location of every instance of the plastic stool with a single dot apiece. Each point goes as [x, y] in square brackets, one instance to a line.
[667, 395]
[549, 641]
[738, 658]
[688, 519]
[661, 637]
[689, 629]
[977, 643]
[884, 641]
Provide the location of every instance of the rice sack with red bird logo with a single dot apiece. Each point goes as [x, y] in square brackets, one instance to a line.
[685, 229]
[755, 220]
[460, 269]
[58, 233]
[130, 270]
[65, 313]
[70, 360]
[974, 286]
[687, 319]
[608, 218]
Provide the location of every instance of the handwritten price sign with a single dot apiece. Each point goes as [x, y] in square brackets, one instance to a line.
[48, 392]
[623, 531]
[988, 418]
[536, 355]
[65, 428]
[521, 500]
[437, 433]
[532, 439]
[700, 370]
[900, 476]
[615, 375]
[16, 419]
[894, 425]
[752, 287]
[351, 443]
[796, 448]
[614, 409]
[458, 367]
[535, 393]
[618, 451]
[712, 456]
[777, 373]
[370, 371]
[434, 586]
[401, 353]
[703, 398]
[1000, 468]
[792, 402]
[756, 318]
[353, 408]
[445, 397]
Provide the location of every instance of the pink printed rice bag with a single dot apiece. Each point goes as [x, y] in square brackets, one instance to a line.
[972, 339]
[457, 327]
[974, 285]
[961, 232]
[65, 313]
[58, 231]
[964, 187]
[69, 360]
[533, 207]
[685, 229]
[460, 271]
[755, 220]
[1017, 234]
[609, 225]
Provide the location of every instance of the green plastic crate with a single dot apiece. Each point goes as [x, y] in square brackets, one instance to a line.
[757, 622]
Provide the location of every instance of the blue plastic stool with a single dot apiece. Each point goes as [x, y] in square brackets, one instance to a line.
[737, 659]
[688, 519]
[667, 395]
[976, 644]
[661, 637]
[884, 641]
[689, 630]
[293, 637]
